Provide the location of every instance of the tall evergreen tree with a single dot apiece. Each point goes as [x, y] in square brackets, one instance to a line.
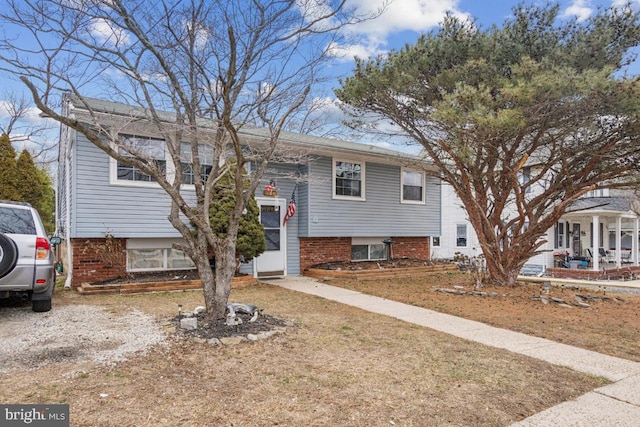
[8, 170]
[251, 239]
[29, 184]
[48, 202]
[34, 187]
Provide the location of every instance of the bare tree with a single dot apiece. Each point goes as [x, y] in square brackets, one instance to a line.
[18, 120]
[230, 74]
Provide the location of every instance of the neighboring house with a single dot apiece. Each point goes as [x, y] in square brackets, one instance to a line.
[614, 243]
[114, 219]
[457, 235]
[613, 246]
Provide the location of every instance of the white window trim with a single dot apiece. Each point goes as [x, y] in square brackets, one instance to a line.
[466, 228]
[170, 172]
[153, 244]
[423, 183]
[363, 167]
[113, 168]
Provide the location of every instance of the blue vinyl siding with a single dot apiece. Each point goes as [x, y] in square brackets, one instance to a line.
[141, 212]
[123, 211]
[381, 214]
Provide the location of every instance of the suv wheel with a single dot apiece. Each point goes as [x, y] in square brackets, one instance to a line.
[8, 255]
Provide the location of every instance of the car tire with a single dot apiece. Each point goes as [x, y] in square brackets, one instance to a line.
[40, 306]
[8, 255]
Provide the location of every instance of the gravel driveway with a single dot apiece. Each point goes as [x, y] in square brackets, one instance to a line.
[71, 334]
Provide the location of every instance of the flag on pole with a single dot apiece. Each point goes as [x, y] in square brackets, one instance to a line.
[291, 209]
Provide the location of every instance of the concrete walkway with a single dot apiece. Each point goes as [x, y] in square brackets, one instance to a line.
[617, 404]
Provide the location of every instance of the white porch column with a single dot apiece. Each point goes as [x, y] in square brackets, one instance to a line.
[595, 228]
[634, 243]
[619, 242]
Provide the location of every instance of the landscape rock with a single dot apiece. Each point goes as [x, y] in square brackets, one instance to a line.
[189, 323]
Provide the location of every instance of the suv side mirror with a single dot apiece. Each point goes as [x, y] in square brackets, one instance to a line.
[55, 240]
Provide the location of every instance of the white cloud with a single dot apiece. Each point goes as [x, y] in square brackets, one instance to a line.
[103, 30]
[419, 16]
[580, 9]
[620, 3]
[402, 15]
[346, 53]
[30, 115]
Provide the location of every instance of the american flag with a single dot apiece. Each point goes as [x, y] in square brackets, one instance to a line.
[291, 209]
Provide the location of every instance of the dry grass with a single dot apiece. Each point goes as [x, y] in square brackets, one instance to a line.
[611, 326]
[337, 366]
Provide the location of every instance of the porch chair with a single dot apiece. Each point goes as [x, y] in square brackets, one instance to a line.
[625, 257]
[589, 255]
[604, 255]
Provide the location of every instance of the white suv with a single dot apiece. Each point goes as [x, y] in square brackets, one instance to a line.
[26, 259]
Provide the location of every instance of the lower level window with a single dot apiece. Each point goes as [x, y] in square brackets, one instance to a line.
[368, 252]
[158, 260]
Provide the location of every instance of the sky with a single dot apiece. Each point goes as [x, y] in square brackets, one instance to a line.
[404, 20]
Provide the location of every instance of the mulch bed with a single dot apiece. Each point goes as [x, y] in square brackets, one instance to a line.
[219, 328]
[373, 265]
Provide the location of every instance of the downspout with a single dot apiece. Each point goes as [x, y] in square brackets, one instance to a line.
[67, 219]
[67, 225]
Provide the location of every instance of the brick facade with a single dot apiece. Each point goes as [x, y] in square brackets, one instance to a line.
[98, 259]
[316, 250]
[411, 247]
[95, 260]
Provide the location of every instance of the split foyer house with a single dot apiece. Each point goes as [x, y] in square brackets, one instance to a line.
[354, 197]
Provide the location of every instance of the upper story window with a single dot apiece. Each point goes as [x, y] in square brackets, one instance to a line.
[142, 148]
[412, 187]
[601, 192]
[348, 181]
[205, 155]
[524, 176]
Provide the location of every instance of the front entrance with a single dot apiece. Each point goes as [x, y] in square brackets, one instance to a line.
[273, 262]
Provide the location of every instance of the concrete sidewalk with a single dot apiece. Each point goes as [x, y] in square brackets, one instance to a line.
[617, 404]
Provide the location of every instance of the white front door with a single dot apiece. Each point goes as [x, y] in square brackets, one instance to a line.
[273, 262]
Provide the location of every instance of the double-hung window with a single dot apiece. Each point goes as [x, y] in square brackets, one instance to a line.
[524, 176]
[205, 155]
[348, 181]
[141, 148]
[412, 187]
[461, 235]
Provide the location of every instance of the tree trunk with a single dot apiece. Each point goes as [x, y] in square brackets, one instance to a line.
[503, 268]
[216, 285]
